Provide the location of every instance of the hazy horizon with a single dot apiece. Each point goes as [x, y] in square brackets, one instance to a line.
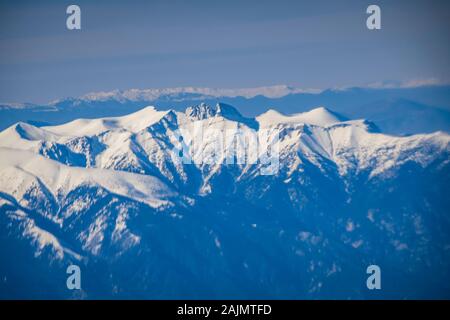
[161, 44]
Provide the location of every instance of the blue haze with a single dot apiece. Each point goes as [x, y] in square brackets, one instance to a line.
[142, 44]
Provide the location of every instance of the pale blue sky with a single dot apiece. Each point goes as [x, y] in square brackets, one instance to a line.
[143, 44]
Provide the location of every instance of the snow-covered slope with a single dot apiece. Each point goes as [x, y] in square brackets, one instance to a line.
[115, 192]
[20, 171]
[88, 127]
[319, 117]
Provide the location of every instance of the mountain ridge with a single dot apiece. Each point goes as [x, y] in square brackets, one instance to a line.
[115, 196]
[399, 111]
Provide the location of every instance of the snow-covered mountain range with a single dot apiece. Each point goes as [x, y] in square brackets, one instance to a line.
[177, 93]
[400, 110]
[109, 195]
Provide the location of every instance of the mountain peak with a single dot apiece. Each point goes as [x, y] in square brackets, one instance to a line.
[227, 110]
[320, 116]
[200, 112]
[323, 116]
[204, 111]
[25, 131]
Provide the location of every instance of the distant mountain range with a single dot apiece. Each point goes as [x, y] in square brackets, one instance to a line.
[398, 111]
[106, 194]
